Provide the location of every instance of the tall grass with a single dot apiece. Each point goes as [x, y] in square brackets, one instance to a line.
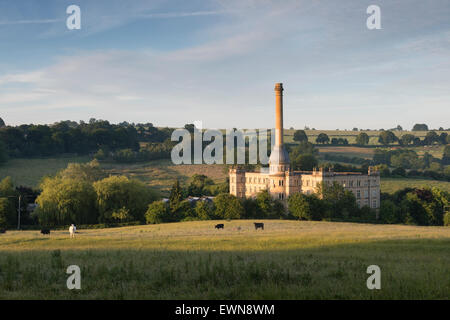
[192, 260]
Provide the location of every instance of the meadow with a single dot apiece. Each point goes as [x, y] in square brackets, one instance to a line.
[192, 260]
[390, 185]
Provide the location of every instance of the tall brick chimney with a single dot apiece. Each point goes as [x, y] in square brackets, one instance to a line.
[279, 158]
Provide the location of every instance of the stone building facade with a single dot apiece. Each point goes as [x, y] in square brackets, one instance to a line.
[281, 181]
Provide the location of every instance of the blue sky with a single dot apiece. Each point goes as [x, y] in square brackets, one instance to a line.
[216, 61]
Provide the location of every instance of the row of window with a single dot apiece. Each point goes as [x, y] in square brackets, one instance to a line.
[366, 203]
[366, 193]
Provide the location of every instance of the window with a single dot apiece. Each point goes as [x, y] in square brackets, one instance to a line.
[358, 183]
[366, 193]
[374, 203]
[358, 194]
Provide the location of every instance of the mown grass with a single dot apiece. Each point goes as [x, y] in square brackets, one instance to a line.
[192, 260]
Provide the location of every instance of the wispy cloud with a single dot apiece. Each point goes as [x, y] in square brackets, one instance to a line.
[39, 21]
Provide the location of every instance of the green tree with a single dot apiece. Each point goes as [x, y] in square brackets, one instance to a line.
[117, 193]
[362, 139]
[420, 127]
[228, 206]
[406, 139]
[176, 196]
[2, 123]
[264, 202]
[387, 137]
[341, 203]
[300, 136]
[157, 212]
[89, 172]
[3, 152]
[65, 201]
[322, 138]
[306, 207]
[198, 185]
[389, 212]
[204, 210]
[8, 210]
[446, 155]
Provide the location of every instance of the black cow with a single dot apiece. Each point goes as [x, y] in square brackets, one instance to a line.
[259, 225]
[219, 226]
[45, 231]
[2, 230]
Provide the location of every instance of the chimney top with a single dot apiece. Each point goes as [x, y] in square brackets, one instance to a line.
[278, 86]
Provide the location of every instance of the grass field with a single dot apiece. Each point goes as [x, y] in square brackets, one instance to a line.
[161, 174]
[29, 172]
[192, 260]
[391, 185]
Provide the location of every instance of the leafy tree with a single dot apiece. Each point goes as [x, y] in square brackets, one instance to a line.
[8, 211]
[362, 139]
[420, 127]
[228, 207]
[5, 212]
[431, 138]
[406, 139]
[204, 210]
[446, 155]
[389, 212]
[322, 138]
[2, 123]
[341, 203]
[89, 172]
[387, 137]
[65, 201]
[305, 162]
[118, 193]
[198, 185]
[306, 207]
[443, 138]
[175, 197]
[447, 219]
[300, 136]
[3, 152]
[415, 211]
[157, 212]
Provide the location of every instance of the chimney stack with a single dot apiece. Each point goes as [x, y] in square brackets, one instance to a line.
[279, 114]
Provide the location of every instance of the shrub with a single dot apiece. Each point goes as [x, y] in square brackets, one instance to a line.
[447, 219]
[157, 212]
[388, 212]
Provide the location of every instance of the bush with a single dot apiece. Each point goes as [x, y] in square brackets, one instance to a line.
[305, 207]
[388, 212]
[447, 219]
[157, 212]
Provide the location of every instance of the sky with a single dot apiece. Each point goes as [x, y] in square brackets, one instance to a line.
[216, 61]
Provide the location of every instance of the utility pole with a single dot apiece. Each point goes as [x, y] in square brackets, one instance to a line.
[18, 218]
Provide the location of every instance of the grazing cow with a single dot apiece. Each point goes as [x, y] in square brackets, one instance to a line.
[259, 225]
[2, 230]
[45, 231]
[219, 226]
[72, 230]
